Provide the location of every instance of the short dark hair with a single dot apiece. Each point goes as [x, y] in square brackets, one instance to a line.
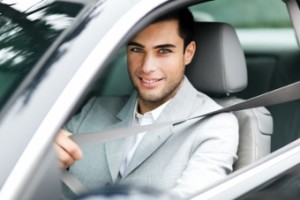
[185, 21]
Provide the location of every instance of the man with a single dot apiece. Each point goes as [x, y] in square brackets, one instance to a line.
[183, 158]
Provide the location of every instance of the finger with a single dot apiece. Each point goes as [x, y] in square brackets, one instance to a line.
[68, 145]
[65, 160]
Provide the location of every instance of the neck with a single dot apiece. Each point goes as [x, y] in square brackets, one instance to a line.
[146, 106]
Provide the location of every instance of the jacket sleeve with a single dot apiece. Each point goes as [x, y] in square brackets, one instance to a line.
[76, 121]
[213, 155]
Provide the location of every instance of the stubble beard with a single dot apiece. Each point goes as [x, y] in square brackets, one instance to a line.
[155, 100]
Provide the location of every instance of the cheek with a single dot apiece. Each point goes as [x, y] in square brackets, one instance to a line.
[134, 61]
[174, 67]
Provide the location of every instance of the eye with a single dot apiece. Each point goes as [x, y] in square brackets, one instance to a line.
[164, 51]
[136, 50]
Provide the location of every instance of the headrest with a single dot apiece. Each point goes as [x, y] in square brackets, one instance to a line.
[219, 66]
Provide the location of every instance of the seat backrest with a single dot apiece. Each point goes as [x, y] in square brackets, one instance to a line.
[219, 70]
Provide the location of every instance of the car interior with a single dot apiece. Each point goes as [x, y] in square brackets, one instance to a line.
[260, 70]
[271, 53]
[239, 73]
[219, 55]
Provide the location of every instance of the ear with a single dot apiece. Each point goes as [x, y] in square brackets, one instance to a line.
[189, 52]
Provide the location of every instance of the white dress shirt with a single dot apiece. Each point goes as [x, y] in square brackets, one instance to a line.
[141, 120]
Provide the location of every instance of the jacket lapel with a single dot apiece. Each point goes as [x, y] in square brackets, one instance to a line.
[115, 149]
[149, 144]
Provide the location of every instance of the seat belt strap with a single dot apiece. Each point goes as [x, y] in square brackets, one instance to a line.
[281, 95]
[73, 183]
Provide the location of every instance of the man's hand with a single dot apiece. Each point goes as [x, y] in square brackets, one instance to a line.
[67, 150]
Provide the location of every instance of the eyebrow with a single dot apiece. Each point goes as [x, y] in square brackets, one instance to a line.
[135, 44]
[155, 47]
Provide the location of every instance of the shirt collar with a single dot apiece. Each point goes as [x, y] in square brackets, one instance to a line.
[154, 113]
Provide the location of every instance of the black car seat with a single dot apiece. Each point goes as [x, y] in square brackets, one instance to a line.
[219, 70]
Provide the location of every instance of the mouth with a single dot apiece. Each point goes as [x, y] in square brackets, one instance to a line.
[150, 83]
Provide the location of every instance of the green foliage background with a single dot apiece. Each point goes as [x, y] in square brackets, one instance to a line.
[248, 13]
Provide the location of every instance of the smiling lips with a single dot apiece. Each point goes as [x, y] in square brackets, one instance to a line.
[150, 82]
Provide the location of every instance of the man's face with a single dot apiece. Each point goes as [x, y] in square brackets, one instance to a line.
[156, 61]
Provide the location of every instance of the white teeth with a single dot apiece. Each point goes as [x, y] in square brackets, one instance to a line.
[150, 81]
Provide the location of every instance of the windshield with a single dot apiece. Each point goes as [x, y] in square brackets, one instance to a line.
[26, 32]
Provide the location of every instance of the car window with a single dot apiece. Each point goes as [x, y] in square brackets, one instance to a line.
[244, 14]
[25, 35]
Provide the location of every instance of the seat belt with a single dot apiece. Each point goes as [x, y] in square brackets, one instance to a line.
[281, 95]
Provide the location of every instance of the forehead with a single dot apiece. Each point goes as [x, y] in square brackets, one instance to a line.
[159, 32]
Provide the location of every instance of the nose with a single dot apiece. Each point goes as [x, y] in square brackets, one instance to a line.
[149, 63]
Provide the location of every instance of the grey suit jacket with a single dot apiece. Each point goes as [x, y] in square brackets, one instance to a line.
[181, 159]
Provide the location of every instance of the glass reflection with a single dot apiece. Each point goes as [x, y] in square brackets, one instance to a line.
[26, 32]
